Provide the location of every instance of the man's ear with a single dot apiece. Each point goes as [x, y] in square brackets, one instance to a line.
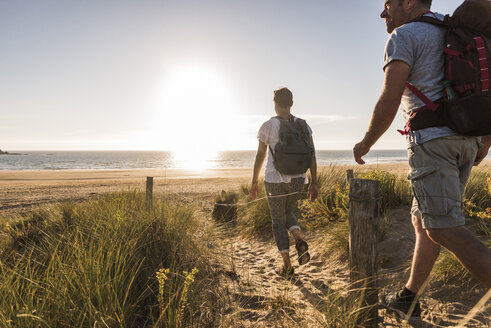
[409, 5]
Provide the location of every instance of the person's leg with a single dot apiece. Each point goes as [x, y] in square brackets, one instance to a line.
[439, 171]
[292, 213]
[286, 260]
[292, 210]
[278, 217]
[426, 251]
[297, 234]
[468, 249]
[424, 257]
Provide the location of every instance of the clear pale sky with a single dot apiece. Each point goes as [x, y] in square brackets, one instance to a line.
[162, 74]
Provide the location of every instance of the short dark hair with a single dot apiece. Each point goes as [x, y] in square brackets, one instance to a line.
[283, 97]
[426, 3]
[423, 2]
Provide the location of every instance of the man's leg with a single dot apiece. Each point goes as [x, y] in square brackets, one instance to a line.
[425, 254]
[286, 260]
[292, 211]
[424, 257]
[277, 211]
[468, 249]
[297, 234]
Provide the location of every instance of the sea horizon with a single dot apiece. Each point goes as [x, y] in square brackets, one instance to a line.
[159, 159]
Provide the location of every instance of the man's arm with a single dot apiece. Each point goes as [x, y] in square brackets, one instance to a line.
[483, 151]
[396, 75]
[260, 156]
[313, 188]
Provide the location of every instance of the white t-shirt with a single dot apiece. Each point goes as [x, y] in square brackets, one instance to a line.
[269, 133]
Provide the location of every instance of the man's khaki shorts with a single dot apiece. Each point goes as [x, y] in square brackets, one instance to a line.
[439, 170]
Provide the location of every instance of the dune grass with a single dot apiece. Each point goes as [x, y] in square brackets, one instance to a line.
[254, 220]
[106, 263]
[329, 213]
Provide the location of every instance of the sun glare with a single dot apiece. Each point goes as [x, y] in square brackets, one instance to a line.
[196, 115]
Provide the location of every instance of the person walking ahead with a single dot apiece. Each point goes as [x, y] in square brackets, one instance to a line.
[440, 160]
[283, 209]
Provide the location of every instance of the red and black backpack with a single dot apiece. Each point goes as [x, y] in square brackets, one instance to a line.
[466, 106]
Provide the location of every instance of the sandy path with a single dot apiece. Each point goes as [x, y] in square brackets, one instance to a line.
[259, 297]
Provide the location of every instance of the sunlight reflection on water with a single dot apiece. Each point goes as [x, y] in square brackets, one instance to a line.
[196, 160]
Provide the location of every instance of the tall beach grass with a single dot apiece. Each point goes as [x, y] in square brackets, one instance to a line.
[96, 264]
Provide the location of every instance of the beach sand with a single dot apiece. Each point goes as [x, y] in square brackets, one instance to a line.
[20, 190]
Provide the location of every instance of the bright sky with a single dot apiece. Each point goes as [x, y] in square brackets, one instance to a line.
[187, 74]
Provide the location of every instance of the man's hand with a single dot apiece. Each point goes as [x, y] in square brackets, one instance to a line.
[313, 191]
[396, 75]
[254, 190]
[483, 151]
[360, 150]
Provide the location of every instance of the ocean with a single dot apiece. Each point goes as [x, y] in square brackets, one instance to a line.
[115, 160]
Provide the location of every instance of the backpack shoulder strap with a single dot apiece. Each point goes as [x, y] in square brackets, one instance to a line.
[433, 20]
[303, 128]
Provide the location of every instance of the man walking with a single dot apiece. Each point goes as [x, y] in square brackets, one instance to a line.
[284, 188]
[440, 159]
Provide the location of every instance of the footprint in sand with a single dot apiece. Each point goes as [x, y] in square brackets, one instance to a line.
[313, 270]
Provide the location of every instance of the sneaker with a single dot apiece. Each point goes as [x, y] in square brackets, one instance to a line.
[302, 251]
[401, 303]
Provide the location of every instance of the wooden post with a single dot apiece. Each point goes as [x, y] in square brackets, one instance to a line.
[364, 219]
[149, 191]
[349, 176]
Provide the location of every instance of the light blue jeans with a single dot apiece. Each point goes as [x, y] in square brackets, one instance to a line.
[284, 210]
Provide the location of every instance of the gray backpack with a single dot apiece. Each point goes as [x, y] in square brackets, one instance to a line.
[293, 154]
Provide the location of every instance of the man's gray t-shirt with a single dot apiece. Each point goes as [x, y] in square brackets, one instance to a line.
[420, 45]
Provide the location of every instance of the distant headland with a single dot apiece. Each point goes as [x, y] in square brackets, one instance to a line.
[7, 153]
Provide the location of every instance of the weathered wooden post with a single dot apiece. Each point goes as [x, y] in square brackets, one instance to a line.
[364, 220]
[349, 176]
[149, 191]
